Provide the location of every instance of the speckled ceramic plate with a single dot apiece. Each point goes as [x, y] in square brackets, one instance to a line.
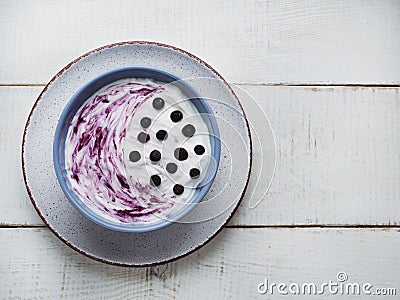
[166, 244]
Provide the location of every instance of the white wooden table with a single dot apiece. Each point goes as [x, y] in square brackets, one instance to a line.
[327, 73]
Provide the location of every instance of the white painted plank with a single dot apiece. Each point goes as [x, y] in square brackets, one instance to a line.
[338, 159]
[337, 156]
[250, 41]
[35, 265]
[16, 104]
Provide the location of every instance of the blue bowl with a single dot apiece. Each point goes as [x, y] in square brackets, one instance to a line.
[88, 90]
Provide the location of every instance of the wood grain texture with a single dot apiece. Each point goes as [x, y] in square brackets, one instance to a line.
[248, 41]
[16, 103]
[337, 156]
[338, 153]
[230, 267]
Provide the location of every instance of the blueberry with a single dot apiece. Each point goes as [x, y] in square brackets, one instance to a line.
[161, 135]
[194, 173]
[155, 155]
[199, 150]
[176, 116]
[145, 122]
[171, 168]
[178, 189]
[181, 154]
[143, 137]
[188, 130]
[134, 156]
[155, 180]
[158, 103]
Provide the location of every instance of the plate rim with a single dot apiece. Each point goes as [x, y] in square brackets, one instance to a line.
[69, 65]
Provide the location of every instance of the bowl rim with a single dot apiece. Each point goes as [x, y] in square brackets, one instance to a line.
[74, 198]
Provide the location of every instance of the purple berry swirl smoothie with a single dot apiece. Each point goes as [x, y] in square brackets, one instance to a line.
[136, 150]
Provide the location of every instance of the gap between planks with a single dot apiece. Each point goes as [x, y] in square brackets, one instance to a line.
[338, 226]
[350, 85]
